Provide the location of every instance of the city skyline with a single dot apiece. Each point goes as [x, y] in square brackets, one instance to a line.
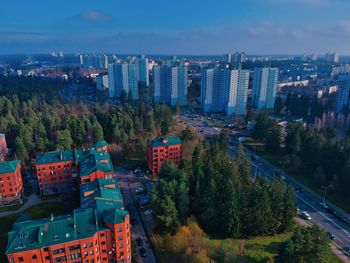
[155, 27]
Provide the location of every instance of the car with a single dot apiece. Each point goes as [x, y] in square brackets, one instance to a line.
[256, 158]
[139, 241]
[134, 221]
[306, 215]
[330, 210]
[143, 252]
[139, 190]
[331, 236]
[299, 189]
[148, 212]
[324, 205]
[137, 171]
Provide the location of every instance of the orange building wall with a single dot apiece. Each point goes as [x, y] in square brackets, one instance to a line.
[57, 177]
[95, 175]
[102, 247]
[11, 187]
[158, 155]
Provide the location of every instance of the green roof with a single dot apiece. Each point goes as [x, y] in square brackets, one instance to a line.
[101, 194]
[33, 234]
[91, 161]
[99, 144]
[165, 141]
[58, 156]
[8, 167]
[115, 216]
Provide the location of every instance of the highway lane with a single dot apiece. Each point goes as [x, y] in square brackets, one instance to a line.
[306, 200]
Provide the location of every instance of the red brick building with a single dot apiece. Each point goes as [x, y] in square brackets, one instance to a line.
[62, 171]
[161, 149]
[3, 147]
[98, 231]
[11, 185]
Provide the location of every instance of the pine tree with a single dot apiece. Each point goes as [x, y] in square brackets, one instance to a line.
[20, 149]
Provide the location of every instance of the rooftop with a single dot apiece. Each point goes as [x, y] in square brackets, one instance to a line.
[101, 194]
[91, 161]
[8, 167]
[165, 141]
[99, 144]
[82, 223]
[57, 156]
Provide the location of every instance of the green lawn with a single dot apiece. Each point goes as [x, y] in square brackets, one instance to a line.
[36, 212]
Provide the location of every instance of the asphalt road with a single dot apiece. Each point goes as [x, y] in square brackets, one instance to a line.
[128, 184]
[307, 200]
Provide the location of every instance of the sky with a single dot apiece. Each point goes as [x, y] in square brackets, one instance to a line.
[175, 26]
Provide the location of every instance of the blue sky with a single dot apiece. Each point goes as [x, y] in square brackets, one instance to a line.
[175, 26]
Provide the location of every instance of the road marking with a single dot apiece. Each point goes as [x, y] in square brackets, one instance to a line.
[323, 216]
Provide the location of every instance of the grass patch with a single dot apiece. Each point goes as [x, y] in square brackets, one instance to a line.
[10, 208]
[255, 250]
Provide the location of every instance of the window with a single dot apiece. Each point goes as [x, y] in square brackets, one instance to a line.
[120, 229]
[20, 259]
[34, 257]
[121, 245]
[120, 237]
[85, 246]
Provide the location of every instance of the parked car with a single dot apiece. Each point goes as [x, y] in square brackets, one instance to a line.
[139, 242]
[331, 236]
[306, 215]
[143, 252]
[139, 190]
[299, 190]
[148, 212]
[324, 205]
[137, 171]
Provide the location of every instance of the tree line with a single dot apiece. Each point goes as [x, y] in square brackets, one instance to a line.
[221, 195]
[36, 120]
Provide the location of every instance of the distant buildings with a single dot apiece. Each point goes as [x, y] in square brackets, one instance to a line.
[224, 90]
[118, 78]
[226, 58]
[11, 185]
[170, 84]
[127, 77]
[333, 57]
[142, 65]
[61, 171]
[102, 82]
[161, 149]
[3, 147]
[314, 57]
[343, 93]
[93, 61]
[264, 88]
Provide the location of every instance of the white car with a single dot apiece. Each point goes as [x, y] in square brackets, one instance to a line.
[148, 212]
[324, 205]
[306, 215]
[139, 190]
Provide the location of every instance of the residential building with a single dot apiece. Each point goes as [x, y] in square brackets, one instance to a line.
[161, 149]
[226, 58]
[343, 93]
[264, 88]
[62, 171]
[133, 78]
[142, 65]
[11, 184]
[118, 77]
[3, 147]
[170, 84]
[102, 82]
[98, 231]
[224, 90]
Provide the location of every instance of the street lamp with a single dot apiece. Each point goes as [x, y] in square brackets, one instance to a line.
[325, 192]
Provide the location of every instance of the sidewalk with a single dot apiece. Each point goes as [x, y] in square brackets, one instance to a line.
[33, 200]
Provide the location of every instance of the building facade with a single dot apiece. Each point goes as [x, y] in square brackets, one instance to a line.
[264, 88]
[161, 149]
[170, 84]
[343, 93]
[98, 231]
[142, 65]
[224, 90]
[62, 171]
[11, 184]
[118, 78]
